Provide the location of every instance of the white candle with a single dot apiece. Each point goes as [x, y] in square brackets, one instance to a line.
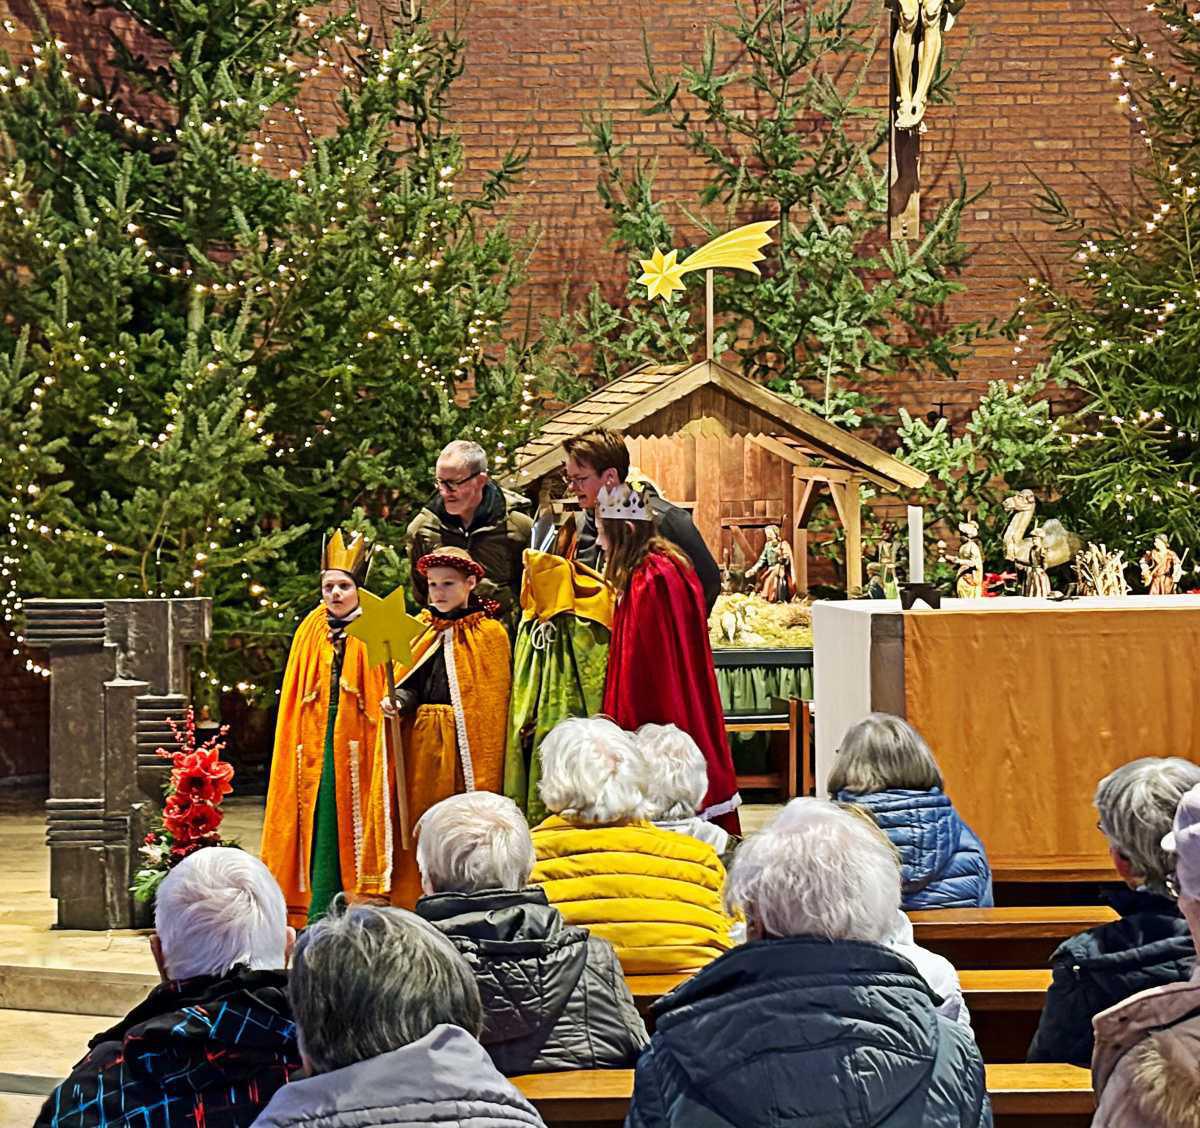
[916, 545]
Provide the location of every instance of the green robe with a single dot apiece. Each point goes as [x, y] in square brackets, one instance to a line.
[326, 876]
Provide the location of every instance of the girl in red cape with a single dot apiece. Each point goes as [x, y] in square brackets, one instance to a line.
[660, 664]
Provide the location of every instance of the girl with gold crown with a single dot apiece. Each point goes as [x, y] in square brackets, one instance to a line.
[328, 827]
[660, 665]
[452, 698]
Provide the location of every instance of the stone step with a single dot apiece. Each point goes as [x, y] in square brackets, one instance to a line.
[38, 1049]
[61, 990]
[18, 1109]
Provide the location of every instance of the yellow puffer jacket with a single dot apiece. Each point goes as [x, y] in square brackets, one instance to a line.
[653, 894]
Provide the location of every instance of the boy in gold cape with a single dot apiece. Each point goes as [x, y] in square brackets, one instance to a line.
[328, 825]
[452, 699]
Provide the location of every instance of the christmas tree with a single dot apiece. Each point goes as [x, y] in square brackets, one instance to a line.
[1126, 317]
[775, 108]
[228, 329]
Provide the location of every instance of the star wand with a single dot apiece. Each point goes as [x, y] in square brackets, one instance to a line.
[388, 631]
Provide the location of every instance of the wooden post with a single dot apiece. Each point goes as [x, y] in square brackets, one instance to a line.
[708, 315]
[853, 520]
[799, 533]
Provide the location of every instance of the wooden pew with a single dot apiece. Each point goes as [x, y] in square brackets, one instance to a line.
[1039, 1096]
[1012, 937]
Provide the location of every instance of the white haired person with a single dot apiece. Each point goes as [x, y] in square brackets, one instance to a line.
[660, 664]
[1151, 944]
[885, 765]
[215, 1039]
[468, 510]
[554, 997]
[676, 782]
[1147, 1047]
[655, 895]
[814, 1020]
[387, 1013]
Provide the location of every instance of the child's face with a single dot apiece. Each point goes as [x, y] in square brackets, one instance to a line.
[339, 593]
[449, 589]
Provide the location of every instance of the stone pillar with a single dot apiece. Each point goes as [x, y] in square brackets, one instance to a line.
[119, 671]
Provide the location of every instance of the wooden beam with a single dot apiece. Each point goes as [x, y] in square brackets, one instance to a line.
[822, 473]
[801, 491]
[838, 490]
[757, 522]
[853, 521]
[807, 503]
[780, 450]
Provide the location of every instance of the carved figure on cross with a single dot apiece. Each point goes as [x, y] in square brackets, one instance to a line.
[933, 17]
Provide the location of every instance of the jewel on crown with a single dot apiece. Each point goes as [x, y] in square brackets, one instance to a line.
[621, 503]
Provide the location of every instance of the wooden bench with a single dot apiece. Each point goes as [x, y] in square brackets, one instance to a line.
[1013, 937]
[1048, 1096]
[1005, 1005]
[794, 773]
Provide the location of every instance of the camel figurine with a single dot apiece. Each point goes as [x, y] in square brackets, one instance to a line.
[1061, 544]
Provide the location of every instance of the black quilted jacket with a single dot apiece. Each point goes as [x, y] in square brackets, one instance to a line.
[554, 997]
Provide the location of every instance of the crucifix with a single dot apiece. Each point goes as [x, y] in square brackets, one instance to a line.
[916, 51]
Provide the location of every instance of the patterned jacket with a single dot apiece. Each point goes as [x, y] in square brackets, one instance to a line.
[207, 1051]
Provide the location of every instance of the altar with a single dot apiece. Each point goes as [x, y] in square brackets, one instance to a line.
[1026, 703]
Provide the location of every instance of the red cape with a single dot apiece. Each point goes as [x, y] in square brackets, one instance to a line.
[660, 671]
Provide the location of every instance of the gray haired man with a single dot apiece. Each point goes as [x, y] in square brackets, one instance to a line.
[468, 510]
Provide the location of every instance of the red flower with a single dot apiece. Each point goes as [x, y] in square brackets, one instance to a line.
[187, 818]
[202, 772]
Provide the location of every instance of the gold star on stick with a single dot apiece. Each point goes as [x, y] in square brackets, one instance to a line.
[386, 628]
[739, 249]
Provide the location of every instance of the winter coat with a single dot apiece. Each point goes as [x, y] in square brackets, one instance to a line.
[209, 1050]
[803, 1032]
[445, 1078]
[943, 864]
[653, 894]
[1148, 947]
[1144, 1068]
[553, 996]
[496, 538]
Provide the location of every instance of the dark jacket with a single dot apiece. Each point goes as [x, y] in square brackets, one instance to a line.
[943, 864]
[674, 524]
[210, 1050]
[804, 1032]
[497, 539]
[553, 996]
[1149, 946]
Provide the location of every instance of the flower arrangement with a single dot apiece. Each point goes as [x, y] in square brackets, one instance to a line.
[191, 815]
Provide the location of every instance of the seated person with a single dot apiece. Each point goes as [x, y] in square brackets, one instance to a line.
[215, 1039]
[1151, 944]
[814, 1020]
[935, 969]
[655, 895]
[553, 997]
[387, 1013]
[1144, 1065]
[885, 766]
[676, 783]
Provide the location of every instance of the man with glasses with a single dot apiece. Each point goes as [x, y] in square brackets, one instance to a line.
[469, 511]
[600, 458]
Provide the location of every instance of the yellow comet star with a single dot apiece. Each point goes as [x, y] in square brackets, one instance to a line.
[739, 249]
[386, 627]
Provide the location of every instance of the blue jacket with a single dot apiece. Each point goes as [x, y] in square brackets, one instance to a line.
[803, 1033]
[943, 864]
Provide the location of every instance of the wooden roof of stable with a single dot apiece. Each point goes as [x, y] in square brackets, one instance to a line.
[631, 399]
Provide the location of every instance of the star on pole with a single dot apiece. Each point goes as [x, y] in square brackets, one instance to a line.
[386, 628]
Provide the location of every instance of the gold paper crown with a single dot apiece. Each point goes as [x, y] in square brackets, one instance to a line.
[352, 557]
[620, 503]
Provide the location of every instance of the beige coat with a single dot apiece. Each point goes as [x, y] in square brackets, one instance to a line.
[1146, 1065]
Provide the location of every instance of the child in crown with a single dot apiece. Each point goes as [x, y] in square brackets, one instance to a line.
[452, 700]
[660, 665]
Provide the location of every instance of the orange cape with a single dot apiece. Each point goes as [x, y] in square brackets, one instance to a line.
[364, 789]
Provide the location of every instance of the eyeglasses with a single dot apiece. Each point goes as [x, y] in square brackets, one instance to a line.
[576, 479]
[450, 485]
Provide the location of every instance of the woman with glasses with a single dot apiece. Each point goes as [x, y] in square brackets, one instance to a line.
[1150, 945]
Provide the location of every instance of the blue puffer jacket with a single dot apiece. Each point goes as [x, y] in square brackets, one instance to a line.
[803, 1033]
[943, 864]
